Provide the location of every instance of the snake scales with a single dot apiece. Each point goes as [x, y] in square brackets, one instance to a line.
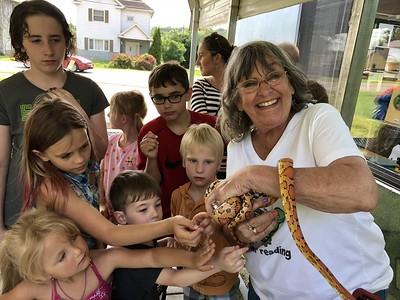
[236, 210]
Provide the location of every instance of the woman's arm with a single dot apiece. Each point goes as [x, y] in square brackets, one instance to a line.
[197, 101]
[344, 186]
[5, 150]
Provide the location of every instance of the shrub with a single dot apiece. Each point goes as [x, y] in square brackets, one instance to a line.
[144, 62]
[121, 61]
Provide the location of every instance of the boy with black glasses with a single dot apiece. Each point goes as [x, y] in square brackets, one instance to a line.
[159, 140]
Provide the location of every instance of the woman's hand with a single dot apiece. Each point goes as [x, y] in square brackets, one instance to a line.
[257, 228]
[230, 259]
[186, 233]
[235, 185]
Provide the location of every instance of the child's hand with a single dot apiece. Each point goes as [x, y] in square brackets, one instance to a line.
[203, 256]
[203, 220]
[230, 259]
[186, 233]
[168, 242]
[149, 145]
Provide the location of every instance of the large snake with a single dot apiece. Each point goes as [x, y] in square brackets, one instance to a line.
[236, 210]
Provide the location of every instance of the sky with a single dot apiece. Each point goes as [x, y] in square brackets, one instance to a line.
[174, 13]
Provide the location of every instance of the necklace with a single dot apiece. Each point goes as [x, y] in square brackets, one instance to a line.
[69, 297]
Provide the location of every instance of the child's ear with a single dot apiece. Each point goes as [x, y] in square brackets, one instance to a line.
[120, 217]
[124, 118]
[189, 94]
[41, 155]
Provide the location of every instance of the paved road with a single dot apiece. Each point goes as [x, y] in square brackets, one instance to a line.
[109, 80]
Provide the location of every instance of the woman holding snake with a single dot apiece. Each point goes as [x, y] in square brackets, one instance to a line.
[267, 116]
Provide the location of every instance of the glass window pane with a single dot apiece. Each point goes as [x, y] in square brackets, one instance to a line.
[98, 45]
[376, 123]
[98, 15]
[319, 28]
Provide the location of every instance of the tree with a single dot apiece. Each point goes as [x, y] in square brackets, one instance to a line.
[396, 33]
[156, 45]
[173, 50]
[74, 47]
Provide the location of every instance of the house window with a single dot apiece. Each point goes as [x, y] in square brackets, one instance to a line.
[99, 45]
[98, 15]
[130, 18]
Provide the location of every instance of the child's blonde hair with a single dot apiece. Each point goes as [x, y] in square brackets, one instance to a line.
[131, 104]
[22, 246]
[202, 135]
[50, 120]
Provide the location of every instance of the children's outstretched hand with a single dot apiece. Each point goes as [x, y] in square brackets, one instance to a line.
[202, 257]
[149, 145]
[186, 233]
[204, 220]
[231, 259]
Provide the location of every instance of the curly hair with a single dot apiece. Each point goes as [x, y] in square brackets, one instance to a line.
[235, 124]
[19, 27]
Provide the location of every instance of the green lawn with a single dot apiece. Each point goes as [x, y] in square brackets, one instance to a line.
[363, 125]
[6, 58]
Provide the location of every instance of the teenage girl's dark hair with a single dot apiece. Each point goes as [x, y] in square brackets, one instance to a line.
[216, 43]
[19, 27]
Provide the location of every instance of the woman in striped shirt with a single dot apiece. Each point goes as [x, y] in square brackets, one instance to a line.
[213, 54]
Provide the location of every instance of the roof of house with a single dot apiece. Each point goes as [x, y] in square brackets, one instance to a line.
[137, 4]
[135, 32]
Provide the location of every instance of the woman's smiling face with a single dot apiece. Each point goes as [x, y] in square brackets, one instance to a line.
[268, 105]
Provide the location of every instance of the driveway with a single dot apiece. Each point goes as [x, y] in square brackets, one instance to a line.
[109, 80]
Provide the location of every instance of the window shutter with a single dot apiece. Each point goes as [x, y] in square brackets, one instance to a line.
[106, 44]
[90, 14]
[106, 16]
[90, 43]
[86, 43]
[111, 46]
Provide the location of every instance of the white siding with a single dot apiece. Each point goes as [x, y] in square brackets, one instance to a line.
[141, 18]
[96, 29]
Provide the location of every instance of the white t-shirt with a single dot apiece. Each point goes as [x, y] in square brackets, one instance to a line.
[351, 245]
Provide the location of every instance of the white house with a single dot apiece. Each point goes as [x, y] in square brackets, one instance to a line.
[106, 27]
[6, 7]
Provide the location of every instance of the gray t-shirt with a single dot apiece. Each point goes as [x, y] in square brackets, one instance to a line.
[16, 97]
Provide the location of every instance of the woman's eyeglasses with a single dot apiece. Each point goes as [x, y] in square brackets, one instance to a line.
[159, 99]
[271, 79]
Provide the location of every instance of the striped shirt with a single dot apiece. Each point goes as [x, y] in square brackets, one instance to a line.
[205, 98]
